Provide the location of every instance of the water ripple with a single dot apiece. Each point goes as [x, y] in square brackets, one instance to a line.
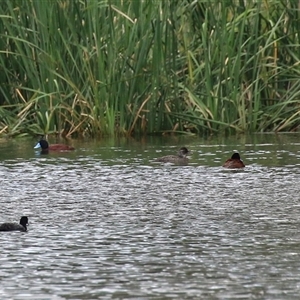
[134, 230]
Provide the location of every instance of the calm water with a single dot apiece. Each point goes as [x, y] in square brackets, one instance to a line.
[107, 223]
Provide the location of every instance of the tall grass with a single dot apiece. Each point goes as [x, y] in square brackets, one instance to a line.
[129, 67]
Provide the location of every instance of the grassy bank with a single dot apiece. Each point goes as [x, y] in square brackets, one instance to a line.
[89, 68]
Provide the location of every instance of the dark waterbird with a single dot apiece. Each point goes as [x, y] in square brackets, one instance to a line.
[15, 226]
[181, 157]
[234, 162]
[44, 145]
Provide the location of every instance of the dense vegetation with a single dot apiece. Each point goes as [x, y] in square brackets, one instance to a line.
[104, 67]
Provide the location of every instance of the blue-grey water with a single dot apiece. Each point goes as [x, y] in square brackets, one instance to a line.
[106, 222]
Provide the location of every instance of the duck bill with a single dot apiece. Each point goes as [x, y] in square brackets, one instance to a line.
[38, 145]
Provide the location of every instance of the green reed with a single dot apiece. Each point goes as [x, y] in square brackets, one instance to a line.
[88, 68]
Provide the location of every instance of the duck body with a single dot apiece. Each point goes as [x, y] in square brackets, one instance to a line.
[15, 226]
[44, 145]
[180, 158]
[234, 162]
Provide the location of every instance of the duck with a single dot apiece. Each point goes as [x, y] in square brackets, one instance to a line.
[234, 162]
[179, 158]
[15, 226]
[44, 145]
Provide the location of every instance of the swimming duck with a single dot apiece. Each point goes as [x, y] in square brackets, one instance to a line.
[15, 226]
[234, 162]
[180, 158]
[54, 147]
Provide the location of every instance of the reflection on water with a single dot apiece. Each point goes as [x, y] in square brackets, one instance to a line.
[107, 223]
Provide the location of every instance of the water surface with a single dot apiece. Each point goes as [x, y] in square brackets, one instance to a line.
[108, 223]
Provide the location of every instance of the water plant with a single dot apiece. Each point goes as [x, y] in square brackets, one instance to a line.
[107, 67]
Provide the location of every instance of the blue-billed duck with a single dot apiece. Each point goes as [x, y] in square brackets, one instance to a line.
[234, 162]
[15, 226]
[179, 158]
[44, 145]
